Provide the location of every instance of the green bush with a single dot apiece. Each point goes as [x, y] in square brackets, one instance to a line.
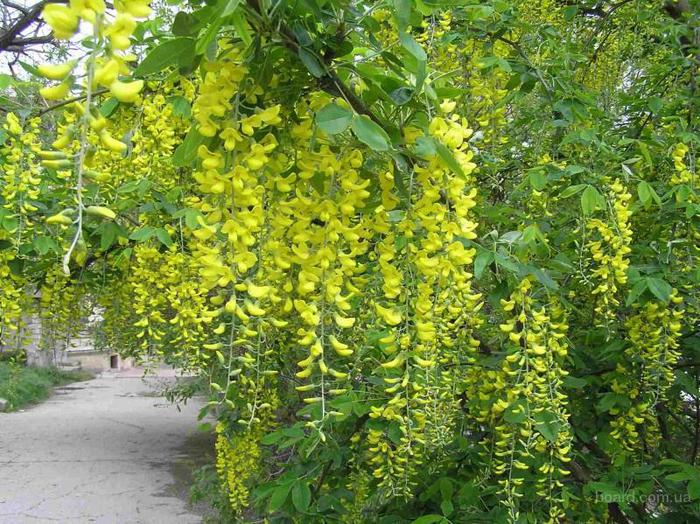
[27, 385]
[18, 356]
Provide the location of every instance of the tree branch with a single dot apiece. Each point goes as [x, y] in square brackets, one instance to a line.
[11, 37]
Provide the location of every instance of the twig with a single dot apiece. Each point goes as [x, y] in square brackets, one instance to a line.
[31, 14]
[70, 101]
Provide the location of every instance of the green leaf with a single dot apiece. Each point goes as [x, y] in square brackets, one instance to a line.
[644, 191]
[109, 233]
[515, 413]
[447, 507]
[446, 488]
[545, 279]
[186, 152]
[209, 35]
[428, 519]
[655, 104]
[109, 106]
[413, 47]
[489, 62]
[694, 489]
[481, 262]
[44, 244]
[168, 53]
[449, 159]
[401, 95]
[659, 288]
[680, 476]
[242, 28]
[574, 169]
[311, 63]
[143, 234]
[230, 7]
[183, 24]
[181, 107]
[574, 382]
[30, 69]
[506, 263]
[591, 200]
[301, 496]
[637, 289]
[425, 147]
[402, 9]
[279, 496]
[333, 119]
[6, 81]
[570, 12]
[538, 180]
[529, 234]
[271, 438]
[164, 237]
[572, 190]
[547, 424]
[369, 133]
[605, 488]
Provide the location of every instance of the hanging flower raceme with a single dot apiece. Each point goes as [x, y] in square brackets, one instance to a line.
[682, 174]
[644, 379]
[20, 175]
[106, 60]
[609, 248]
[19, 194]
[427, 311]
[12, 300]
[63, 307]
[531, 429]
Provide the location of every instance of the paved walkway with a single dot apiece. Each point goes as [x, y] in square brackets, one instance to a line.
[109, 450]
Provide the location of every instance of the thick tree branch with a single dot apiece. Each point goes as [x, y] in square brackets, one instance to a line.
[11, 38]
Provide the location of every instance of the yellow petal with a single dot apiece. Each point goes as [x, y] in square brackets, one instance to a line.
[56, 92]
[126, 91]
[56, 71]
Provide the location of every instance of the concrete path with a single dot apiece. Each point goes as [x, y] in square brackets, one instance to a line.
[110, 450]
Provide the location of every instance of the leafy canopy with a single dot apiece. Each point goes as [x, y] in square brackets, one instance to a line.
[433, 261]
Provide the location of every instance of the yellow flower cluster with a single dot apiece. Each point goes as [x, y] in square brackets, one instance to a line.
[170, 304]
[20, 175]
[682, 174]
[154, 132]
[609, 248]
[531, 431]
[486, 86]
[237, 461]
[542, 202]
[686, 235]
[106, 61]
[546, 11]
[104, 70]
[427, 312]
[19, 190]
[64, 306]
[359, 484]
[648, 374]
[11, 300]
[281, 246]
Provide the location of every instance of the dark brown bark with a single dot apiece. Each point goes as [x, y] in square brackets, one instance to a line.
[11, 38]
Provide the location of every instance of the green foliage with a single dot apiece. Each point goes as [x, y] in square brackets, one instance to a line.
[23, 386]
[576, 125]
